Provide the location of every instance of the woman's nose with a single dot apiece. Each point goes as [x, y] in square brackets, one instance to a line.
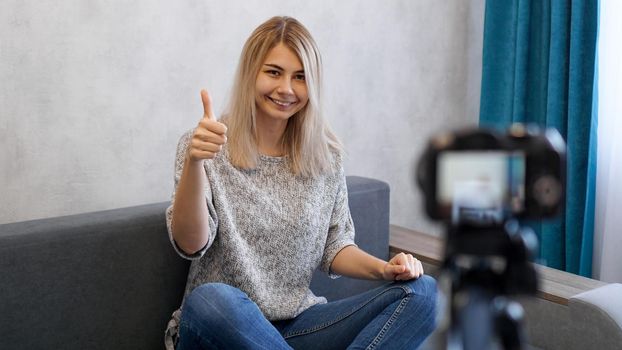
[285, 86]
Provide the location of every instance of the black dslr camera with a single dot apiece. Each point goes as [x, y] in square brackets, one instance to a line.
[479, 182]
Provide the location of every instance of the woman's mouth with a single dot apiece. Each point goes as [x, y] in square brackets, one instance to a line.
[282, 103]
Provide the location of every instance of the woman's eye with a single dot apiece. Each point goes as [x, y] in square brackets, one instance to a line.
[274, 73]
[300, 77]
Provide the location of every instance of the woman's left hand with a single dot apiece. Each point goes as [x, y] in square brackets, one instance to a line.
[402, 267]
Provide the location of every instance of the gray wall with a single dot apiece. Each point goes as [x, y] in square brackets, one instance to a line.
[94, 94]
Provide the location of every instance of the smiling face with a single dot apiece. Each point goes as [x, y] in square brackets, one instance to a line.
[280, 88]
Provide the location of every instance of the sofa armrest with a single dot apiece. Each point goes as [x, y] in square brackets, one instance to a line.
[600, 312]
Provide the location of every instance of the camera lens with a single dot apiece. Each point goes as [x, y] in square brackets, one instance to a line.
[547, 191]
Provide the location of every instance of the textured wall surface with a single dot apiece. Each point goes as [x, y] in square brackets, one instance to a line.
[95, 94]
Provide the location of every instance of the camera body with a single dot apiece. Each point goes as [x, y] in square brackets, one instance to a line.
[484, 176]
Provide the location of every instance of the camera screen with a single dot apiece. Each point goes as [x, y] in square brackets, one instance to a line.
[481, 185]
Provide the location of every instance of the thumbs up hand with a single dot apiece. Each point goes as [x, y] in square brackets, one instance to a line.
[209, 136]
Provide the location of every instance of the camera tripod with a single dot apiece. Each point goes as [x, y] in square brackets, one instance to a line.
[485, 266]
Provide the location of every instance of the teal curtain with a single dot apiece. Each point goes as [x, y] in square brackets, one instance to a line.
[539, 67]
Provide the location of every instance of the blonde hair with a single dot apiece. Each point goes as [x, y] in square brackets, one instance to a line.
[308, 140]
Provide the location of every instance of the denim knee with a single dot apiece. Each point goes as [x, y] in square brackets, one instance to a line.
[424, 286]
[425, 290]
[205, 299]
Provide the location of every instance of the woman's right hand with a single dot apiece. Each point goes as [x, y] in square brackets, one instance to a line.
[209, 136]
[190, 222]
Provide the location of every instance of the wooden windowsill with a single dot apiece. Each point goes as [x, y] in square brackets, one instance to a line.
[555, 285]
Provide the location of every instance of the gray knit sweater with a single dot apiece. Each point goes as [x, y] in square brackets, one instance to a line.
[272, 230]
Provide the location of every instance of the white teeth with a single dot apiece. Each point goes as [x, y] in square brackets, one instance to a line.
[282, 103]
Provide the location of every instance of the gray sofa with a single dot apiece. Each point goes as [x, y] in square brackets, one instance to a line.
[110, 279]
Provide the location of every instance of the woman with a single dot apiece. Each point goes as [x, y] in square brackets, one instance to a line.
[260, 201]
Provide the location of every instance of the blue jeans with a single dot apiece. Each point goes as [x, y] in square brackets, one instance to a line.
[399, 315]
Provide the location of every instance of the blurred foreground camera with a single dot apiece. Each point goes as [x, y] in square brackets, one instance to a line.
[517, 174]
[479, 182]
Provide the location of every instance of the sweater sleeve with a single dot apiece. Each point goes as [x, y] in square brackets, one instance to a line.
[182, 147]
[341, 227]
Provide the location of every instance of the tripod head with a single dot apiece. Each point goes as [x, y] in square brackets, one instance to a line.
[497, 258]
